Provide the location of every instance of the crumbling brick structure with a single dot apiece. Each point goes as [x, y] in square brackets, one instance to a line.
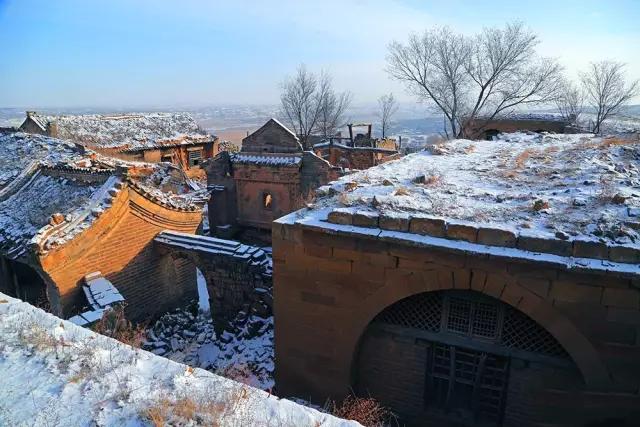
[66, 213]
[238, 276]
[270, 177]
[489, 129]
[152, 137]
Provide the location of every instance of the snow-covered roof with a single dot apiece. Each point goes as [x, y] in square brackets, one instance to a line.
[267, 159]
[562, 187]
[55, 371]
[130, 132]
[51, 190]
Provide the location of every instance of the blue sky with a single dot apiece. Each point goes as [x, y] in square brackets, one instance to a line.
[127, 53]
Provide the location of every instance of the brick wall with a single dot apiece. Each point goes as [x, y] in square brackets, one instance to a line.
[328, 287]
[119, 244]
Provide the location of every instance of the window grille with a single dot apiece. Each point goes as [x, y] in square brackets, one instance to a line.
[522, 332]
[194, 157]
[422, 311]
[476, 317]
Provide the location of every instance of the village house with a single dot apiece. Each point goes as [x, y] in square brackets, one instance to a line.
[534, 122]
[270, 177]
[481, 283]
[359, 151]
[144, 137]
[70, 217]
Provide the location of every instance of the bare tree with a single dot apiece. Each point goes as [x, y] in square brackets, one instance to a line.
[388, 107]
[607, 91]
[333, 107]
[475, 79]
[310, 104]
[570, 101]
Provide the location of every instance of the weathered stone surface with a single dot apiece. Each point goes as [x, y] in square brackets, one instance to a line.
[462, 232]
[550, 246]
[340, 217]
[624, 254]
[590, 249]
[365, 219]
[394, 222]
[429, 226]
[496, 237]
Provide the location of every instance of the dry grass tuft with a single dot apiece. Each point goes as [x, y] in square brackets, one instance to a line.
[402, 191]
[469, 148]
[114, 324]
[608, 142]
[366, 411]
[540, 204]
[522, 158]
[203, 410]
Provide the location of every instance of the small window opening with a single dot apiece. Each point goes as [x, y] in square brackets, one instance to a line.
[194, 158]
[267, 200]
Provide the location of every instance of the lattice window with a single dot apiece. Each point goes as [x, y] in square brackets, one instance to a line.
[485, 320]
[522, 332]
[422, 311]
[459, 315]
[474, 317]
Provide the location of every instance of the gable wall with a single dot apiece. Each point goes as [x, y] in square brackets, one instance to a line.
[271, 138]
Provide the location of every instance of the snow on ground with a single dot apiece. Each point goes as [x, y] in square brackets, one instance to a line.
[243, 351]
[54, 373]
[542, 184]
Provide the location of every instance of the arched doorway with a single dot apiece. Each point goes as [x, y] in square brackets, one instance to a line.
[461, 358]
[21, 281]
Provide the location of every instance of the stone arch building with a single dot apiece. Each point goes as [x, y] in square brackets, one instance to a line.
[460, 322]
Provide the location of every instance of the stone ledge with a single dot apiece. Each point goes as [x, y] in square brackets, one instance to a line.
[490, 236]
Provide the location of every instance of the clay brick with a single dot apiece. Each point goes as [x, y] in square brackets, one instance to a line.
[380, 260]
[368, 272]
[329, 264]
[572, 292]
[319, 251]
[395, 222]
[340, 217]
[315, 298]
[623, 315]
[537, 286]
[621, 298]
[589, 249]
[512, 294]
[462, 232]
[428, 226]
[496, 237]
[462, 279]
[365, 219]
[494, 285]
[550, 246]
[348, 254]
[478, 279]
[445, 279]
[624, 254]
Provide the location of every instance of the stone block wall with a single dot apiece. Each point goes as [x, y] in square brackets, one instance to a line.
[329, 285]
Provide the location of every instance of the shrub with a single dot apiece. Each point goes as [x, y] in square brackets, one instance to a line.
[366, 411]
[114, 324]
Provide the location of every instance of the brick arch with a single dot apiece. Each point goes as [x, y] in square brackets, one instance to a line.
[582, 352]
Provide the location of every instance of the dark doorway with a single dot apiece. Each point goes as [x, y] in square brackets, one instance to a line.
[21, 281]
[466, 385]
